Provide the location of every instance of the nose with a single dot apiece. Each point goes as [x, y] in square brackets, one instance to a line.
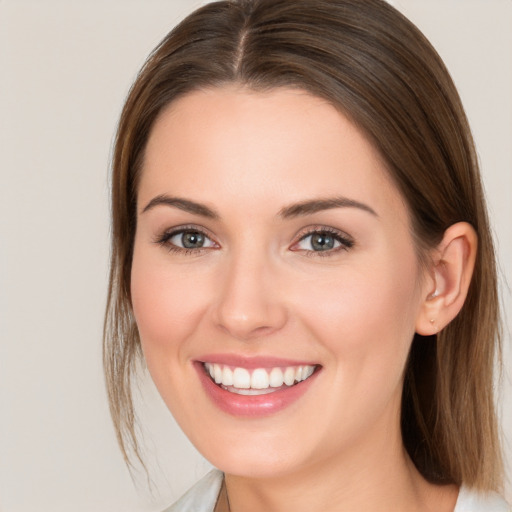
[249, 302]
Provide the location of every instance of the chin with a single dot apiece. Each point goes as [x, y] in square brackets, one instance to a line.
[254, 452]
[269, 465]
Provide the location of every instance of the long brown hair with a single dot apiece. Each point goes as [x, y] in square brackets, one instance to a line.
[376, 67]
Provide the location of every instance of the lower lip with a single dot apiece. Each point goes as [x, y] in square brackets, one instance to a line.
[252, 405]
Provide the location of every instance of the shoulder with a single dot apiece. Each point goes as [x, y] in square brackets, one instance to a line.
[473, 501]
[202, 496]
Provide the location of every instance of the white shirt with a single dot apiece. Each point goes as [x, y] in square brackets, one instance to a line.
[203, 496]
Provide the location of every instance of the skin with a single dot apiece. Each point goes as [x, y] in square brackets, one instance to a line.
[258, 288]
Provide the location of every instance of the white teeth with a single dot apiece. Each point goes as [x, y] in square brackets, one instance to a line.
[276, 378]
[241, 378]
[289, 376]
[307, 371]
[227, 376]
[217, 374]
[261, 380]
[249, 392]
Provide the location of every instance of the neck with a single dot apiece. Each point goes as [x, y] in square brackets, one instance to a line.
[377, 476]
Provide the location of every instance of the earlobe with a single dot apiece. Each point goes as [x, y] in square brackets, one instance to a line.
[452, 267]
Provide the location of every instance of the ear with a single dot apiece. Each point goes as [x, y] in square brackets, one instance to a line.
[447, 285]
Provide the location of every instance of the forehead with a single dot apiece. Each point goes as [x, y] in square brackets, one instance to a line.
[279, 145]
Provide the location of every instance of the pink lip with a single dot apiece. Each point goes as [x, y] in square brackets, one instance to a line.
[253, 405]
[252, 362]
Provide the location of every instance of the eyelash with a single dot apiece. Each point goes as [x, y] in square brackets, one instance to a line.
[344, 240]
[164, 240]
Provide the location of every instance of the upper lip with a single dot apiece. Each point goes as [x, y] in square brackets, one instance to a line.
[253, 362]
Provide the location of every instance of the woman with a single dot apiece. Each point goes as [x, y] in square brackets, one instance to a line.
[301, 253]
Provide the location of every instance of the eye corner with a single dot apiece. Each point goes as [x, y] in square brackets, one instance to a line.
[335, 240]
[206, 240]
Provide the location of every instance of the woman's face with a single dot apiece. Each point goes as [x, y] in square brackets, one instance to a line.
[272, 248]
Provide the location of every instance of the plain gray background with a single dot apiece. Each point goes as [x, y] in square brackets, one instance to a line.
[65, 68]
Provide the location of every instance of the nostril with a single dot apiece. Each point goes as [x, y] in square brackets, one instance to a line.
[248, 304]
[246, 332]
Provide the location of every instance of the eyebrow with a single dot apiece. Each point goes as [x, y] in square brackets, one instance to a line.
[183, 204]
[295, 210]
[318, 205]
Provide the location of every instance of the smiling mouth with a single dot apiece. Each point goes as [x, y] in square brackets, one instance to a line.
[259, 381]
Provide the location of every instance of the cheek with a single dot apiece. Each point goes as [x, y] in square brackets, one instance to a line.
[166, 305]
[365, 317]
[365, 322]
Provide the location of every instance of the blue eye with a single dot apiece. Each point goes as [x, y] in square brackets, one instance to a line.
[190, 240]
[323, 241]
[186, 240]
